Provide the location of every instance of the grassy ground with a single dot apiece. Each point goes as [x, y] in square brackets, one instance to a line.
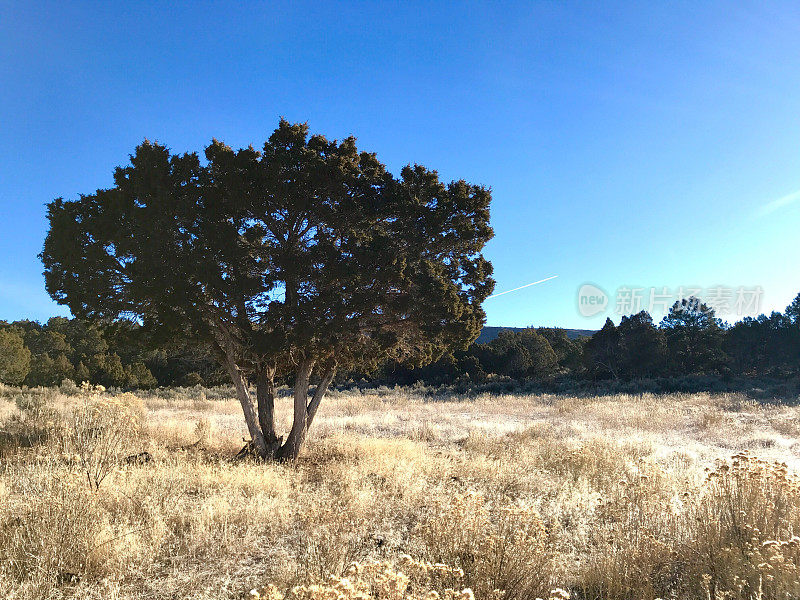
[679, 496]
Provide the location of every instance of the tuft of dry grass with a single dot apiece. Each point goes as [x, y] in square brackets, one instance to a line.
[398, 496]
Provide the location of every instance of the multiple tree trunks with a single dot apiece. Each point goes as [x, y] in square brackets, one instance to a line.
[260, 419]
[260, 415]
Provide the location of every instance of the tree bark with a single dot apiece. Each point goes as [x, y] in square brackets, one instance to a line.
[291, 448]
[319, 393]
[243, 393]
[265, 394]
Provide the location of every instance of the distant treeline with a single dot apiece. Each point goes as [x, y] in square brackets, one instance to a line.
[690, 340]
[121, 355]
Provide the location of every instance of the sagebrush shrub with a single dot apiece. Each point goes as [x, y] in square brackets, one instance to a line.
[100, 432]
[499, 547]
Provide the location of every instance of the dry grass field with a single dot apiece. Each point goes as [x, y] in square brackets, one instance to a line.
[399, 496]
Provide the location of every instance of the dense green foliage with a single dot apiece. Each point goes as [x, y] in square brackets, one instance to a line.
[15, 358]
[120, 357]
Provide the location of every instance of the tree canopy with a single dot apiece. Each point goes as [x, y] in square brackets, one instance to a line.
[290, 261]
[15, 358]
[694, 337]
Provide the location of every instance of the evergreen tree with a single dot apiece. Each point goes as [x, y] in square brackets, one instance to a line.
[14, 357]
[290, 262]
[643, 347]
[568, 352]
[694, 338]
[603, 352]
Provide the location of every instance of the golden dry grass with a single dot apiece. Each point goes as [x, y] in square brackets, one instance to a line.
[606, 497]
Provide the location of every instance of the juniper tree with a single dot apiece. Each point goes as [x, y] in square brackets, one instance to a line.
[603, 352]
[15, 358]
[292, 261]
[643, 347]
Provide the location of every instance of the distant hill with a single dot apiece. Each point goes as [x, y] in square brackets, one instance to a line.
[490, 333]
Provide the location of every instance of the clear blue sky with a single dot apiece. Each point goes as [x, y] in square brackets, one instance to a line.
[626, 145]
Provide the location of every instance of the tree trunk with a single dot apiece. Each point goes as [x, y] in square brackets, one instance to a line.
[319, 393]
[243, 393]
[265, 394]
[291, 449]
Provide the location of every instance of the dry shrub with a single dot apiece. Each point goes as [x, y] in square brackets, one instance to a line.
[37, 422]
[641, 568]
[742, 529]
[424, 432]
[203, 431]
[631, 546]
[498, 547]
[329, 536]
[414, 580]
[732, 537]
[710, 418]
[381, 580]
[56, 533]
[602, 463]
[101, 432]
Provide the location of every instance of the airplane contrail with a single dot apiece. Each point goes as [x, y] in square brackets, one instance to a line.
[771, 207]
[523, 286]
